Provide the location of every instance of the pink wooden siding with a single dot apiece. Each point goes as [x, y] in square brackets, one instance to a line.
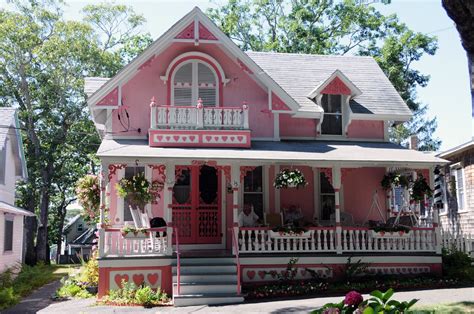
[137, 92]
[366, 129]
[302, 197]
[297, 127]
[11, 258]
[359, 186]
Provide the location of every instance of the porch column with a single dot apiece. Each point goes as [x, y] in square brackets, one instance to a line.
[104, 183]
[168, 193]
[336, 175]
[235, 182]
[435, 216]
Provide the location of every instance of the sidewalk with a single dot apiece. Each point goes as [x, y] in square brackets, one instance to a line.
[39, 299]
[426, 297]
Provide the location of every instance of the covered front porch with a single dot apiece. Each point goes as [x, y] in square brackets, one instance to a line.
[205, 190]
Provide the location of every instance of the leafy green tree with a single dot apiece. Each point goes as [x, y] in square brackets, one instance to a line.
[337, 27]
[43, 62]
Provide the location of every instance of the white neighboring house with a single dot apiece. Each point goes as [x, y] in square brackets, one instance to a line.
[12, 168]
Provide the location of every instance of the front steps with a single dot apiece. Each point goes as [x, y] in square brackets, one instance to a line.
[206, 281]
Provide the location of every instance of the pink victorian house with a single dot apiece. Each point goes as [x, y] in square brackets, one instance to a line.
[216, 125]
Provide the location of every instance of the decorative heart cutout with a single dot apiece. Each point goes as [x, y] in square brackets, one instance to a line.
[232, 138]
[240, 138]
[303, 272]
[208, 138]
[216, 138]
[251, 274]
[284, 272]
[118, 279]
[152, 278]
[262, 274]
[167, 138]
[224, 138]
[176, 138]
[159, 138]
[138, 279]
[192, 137]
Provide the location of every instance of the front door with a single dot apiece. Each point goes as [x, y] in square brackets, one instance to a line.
[197, 204]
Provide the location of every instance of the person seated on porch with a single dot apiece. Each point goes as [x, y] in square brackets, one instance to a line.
[293, 216]
[247, 217]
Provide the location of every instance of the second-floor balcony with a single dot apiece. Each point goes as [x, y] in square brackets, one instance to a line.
[200, 126]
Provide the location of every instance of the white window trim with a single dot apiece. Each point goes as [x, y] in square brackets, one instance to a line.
[320, 197]
[120, 201]
[263, 193]
[453, 172]
[8, 217]
[345, 116]
[194, 81]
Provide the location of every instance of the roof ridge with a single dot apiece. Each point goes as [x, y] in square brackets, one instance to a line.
[309, 54]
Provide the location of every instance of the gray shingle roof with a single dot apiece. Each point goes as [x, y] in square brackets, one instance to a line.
[92, 84]
[299, 74]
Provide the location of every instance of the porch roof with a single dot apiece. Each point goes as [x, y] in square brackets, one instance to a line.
[306, 152]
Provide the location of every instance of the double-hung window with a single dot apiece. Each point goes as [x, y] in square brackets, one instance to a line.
[192, 80]
[332, 122]
[253, 190]
[129, 173]
[457, 174]
[328, 197]
[8, 235]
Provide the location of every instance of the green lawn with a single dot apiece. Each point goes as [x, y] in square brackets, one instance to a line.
[459, 307]
[29, 279]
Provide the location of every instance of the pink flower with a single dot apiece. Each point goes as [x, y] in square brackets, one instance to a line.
[353, 298]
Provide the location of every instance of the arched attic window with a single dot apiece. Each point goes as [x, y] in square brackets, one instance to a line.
[192, 80]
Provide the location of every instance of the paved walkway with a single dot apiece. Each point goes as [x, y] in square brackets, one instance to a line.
[39, 299]
[426, 297]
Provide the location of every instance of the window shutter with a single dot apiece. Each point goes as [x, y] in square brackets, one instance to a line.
[183, 85]
[206, 85]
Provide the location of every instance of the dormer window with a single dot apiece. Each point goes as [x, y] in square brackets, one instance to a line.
[332, 122]
[192, 80]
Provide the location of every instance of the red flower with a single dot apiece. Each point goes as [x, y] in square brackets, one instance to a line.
[353, 298]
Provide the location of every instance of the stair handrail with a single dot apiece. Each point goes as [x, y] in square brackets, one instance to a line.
[237, 258]
[178, 262]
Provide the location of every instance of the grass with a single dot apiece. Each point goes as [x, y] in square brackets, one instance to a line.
[13, 288]
[450, 308]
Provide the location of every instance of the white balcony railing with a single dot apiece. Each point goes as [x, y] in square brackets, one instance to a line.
[199, 117]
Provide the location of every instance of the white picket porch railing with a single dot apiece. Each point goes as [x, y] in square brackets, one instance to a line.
[158, 241]
[328, 239]
[199, 117]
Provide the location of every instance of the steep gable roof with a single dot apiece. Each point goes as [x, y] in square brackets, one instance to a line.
[299, 74]
[10, 127]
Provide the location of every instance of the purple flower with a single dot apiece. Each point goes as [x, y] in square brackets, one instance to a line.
[353, 298]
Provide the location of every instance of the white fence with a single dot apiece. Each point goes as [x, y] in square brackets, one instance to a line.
[460, 242]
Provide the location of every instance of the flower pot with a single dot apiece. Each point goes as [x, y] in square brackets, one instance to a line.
[283, 235]
[132, 235]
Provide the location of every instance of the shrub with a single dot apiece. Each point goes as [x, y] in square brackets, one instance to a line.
[457, 264]
[380, 302]
[130, 294]
[7, 298]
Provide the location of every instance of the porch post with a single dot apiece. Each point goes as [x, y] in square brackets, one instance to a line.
[235, 182]
[435, 216]
[168, 192]
[336, 174]
[104, 183]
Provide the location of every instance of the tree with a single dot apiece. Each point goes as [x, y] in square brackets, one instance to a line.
[329, 27]
[43, 62]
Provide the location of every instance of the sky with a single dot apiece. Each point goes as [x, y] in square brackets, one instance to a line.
[447, 94]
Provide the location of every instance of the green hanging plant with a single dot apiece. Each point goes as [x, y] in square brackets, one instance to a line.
[420, 189]
[289, 179]
[139, 190]
[396, 179]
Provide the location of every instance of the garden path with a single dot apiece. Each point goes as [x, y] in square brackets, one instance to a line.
[39, 299]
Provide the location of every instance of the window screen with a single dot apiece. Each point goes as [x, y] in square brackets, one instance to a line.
[8, 242]
[328, 197]
[253, 190]
[332, 122]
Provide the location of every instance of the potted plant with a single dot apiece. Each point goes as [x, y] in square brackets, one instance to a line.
[394, 179]
[289, 179]
[289, 232]
[132, 232]
[385, 231]
[139, 190]
[88, 196]
[420, 189]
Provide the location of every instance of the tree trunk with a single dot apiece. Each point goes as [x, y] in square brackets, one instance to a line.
[31, 225]
[59, 236]
[42, 237]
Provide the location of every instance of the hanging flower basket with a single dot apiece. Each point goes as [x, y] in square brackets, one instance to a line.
[139, 191]
[88, 196]
[420, 189]
[395, 179]
[289, 179]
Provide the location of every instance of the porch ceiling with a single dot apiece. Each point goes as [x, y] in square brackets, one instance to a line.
[303, 152]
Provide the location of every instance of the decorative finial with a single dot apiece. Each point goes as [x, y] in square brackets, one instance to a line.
[245, 107]
[199, 104]
[153, 102]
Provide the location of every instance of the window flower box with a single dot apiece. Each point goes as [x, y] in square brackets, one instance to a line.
[289, 234]
[390, 234]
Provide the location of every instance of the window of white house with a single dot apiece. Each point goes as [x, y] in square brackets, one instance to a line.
[80, 227]
[253, 190]
[332, 122]
[327, 197]
[129, 173]
[193, 80]
[457, 175]
[8, 239]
